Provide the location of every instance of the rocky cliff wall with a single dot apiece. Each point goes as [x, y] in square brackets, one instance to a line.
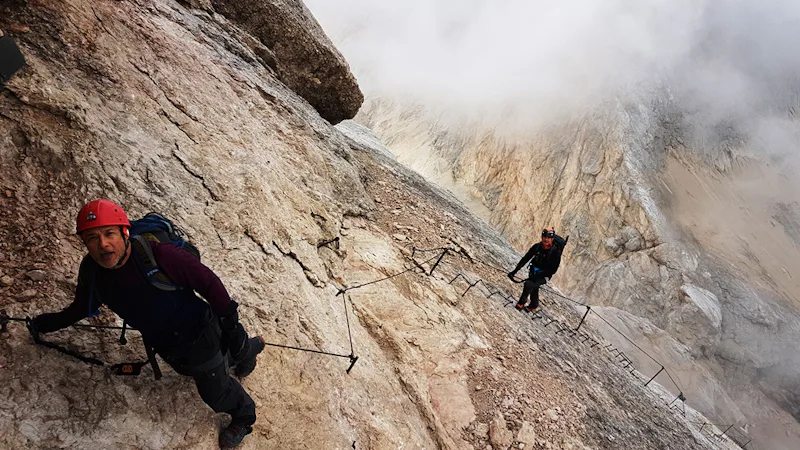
[160, 106]
[643, 203]
[293, 43]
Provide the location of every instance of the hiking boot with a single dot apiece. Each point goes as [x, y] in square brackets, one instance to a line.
[519, 306]
[532, 310]
[233, 434]
[248, 363]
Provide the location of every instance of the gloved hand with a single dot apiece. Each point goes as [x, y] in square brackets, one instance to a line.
[230, 319]
[511, 275]
[233, 335]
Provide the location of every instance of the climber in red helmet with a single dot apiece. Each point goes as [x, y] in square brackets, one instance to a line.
[544, 257]
[193, 336]
[104, 228]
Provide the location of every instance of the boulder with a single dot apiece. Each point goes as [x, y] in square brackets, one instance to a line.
[499, 434]
[527, 434]
[306, 60]
[36, 275]
[675, 256]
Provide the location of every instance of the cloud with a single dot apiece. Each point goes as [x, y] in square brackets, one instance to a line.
[725, 60]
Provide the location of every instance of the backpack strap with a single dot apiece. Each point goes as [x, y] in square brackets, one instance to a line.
[146, 261]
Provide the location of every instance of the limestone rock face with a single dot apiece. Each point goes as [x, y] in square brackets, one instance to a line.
[655, 229]
[304, 58]
[697, 381]
[583, 178]
[697, 322]
[168, 108]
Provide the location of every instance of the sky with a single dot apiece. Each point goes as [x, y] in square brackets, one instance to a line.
[725, 61]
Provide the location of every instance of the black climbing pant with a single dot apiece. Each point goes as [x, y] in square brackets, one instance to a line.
[224, 394]
[203, 360]
[531, 288]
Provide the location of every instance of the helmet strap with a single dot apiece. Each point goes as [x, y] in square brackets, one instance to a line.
[127, 246]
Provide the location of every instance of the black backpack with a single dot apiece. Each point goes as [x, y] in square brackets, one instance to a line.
[155, 227]
[560, 241]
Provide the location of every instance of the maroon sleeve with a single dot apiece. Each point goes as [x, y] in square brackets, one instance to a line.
[187, 271]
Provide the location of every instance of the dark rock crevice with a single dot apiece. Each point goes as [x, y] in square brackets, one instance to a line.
[194, 173]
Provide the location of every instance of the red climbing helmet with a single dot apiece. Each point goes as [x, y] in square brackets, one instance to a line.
[101, 213]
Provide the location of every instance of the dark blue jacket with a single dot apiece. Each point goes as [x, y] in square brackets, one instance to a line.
[165, 318]
[546, 261]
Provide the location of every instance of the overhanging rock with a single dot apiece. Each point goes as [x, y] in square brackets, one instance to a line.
[307, 62]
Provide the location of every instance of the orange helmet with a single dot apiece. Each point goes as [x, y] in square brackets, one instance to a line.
[101, 213]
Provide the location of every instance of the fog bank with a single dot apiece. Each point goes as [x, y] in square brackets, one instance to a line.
[527, 63]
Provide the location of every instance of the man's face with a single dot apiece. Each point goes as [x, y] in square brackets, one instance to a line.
[547, 242]
[105, 244]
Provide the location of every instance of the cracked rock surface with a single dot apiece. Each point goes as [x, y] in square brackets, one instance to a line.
[698, 241]
[162, 105]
